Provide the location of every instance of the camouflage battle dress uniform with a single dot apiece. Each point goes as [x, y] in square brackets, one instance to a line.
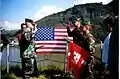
[88, 43]
[30, 52]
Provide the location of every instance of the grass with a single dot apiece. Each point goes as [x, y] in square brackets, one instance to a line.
[50, 71]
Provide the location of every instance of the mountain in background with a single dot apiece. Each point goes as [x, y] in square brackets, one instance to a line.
[93, 12]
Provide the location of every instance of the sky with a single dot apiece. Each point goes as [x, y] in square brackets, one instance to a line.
[13, 12]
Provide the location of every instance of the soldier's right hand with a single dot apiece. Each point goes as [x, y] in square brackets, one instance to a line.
[68, 23]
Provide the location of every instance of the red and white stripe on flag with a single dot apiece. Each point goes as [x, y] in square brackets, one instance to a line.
[57, 45]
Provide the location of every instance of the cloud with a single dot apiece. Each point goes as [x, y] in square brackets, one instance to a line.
[50, 9]
[90, 1]
[45, 11]
[10, 26]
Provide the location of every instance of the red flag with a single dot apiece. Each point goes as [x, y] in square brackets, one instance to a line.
[77, 56]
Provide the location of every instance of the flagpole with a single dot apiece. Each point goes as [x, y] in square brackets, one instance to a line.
[8, 58]
[65, 58]
[66, 55]
[101, 47]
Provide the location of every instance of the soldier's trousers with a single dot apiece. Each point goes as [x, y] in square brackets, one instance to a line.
[84, 73]
[23, 66]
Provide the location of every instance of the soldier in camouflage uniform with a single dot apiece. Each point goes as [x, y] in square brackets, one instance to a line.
[82, 37]
[31, 27]
[27, 46]
[88, 43]
[76, 33]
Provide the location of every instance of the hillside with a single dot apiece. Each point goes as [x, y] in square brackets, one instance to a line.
[93, 12]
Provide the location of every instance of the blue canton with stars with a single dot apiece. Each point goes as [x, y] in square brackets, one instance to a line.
[44, 33]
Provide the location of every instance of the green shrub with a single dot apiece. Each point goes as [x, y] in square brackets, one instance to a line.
[10, 76]
[42, 77]
[53, 72]
[16, 70]
[49, 67]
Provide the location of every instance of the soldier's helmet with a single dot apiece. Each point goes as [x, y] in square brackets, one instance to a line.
[88, 24]
[73, 19]
[30, 21]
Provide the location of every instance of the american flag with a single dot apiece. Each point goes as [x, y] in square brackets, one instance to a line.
[52, 39]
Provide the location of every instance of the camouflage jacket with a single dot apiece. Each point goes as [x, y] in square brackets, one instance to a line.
[29, 51]
[88, 43]
[76, 34]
